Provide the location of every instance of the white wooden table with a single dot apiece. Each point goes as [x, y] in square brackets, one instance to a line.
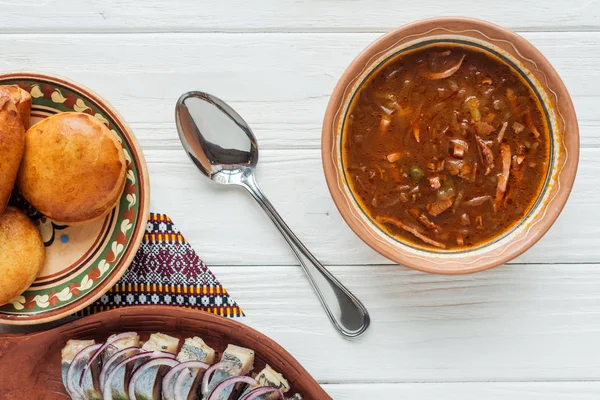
[528, 330]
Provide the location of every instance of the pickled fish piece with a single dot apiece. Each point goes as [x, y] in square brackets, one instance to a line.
[242, 357]
[187, 378]
[194, 349]
[120, 344]
[161, 342]
[269, 377]
[240, 361]
[68, 353]
[82, 376]
[117, 381]
[156, 342]
[111, 363]
[146, 381]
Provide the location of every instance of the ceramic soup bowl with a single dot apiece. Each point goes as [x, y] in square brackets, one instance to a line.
[557, 109]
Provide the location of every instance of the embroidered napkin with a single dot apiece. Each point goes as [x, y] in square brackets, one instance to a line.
[167, 271]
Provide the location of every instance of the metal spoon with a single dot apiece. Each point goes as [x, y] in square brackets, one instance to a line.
[223, 147]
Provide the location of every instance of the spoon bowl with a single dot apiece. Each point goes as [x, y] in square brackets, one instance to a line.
[201, 121]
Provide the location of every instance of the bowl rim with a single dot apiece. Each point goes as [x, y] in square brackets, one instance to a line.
[144, 201]
[455, 26]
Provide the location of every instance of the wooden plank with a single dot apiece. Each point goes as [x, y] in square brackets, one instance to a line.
[467, 391]
[514, 323]
[280, 83]
[294, 182]
[285, 15]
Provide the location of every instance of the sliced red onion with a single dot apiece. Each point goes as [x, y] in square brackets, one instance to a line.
[101, 349]
[143, 368]
[109, 347]
[113, 361]
[72, 395]
[162, 354]
[209, 373]
[107, 394]
[156, 354]
[72, 388]
[180, 382]
[261, 391]
[216, 392]
[169, 394]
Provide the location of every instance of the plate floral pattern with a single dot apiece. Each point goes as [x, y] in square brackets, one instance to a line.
[82, 263]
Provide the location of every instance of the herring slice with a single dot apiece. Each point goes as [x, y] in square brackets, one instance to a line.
[237, 361]
[158, 342]
[82, 377]
[269, 377]
[161, 342]
[194, 349]
[117, 381]
[111, 363]
[120, 344]
[146, 380]
[116, 385]
[183, 381]
[68, 353]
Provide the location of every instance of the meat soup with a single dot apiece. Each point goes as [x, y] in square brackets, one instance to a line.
[446, 147]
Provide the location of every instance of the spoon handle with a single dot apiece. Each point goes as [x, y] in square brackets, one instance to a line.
[345, 311]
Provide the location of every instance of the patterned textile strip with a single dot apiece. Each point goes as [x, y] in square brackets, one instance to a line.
[167, 271]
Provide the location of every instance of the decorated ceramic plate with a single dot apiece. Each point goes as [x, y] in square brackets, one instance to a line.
[82, 262]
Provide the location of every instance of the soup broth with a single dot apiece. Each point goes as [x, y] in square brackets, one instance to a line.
[446, 147]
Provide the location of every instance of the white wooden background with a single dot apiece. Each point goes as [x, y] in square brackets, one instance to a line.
[528, 330]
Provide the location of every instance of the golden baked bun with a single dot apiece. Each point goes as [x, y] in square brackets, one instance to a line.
[12, 144]
[22, 251]
[22, 100]
[73, 170]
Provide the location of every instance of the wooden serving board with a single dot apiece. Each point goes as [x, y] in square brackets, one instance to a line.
[30, 363]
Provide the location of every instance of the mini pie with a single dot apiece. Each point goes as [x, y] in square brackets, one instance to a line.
[22, 251]
[73, 170]
[21, 99]
[12, 144]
